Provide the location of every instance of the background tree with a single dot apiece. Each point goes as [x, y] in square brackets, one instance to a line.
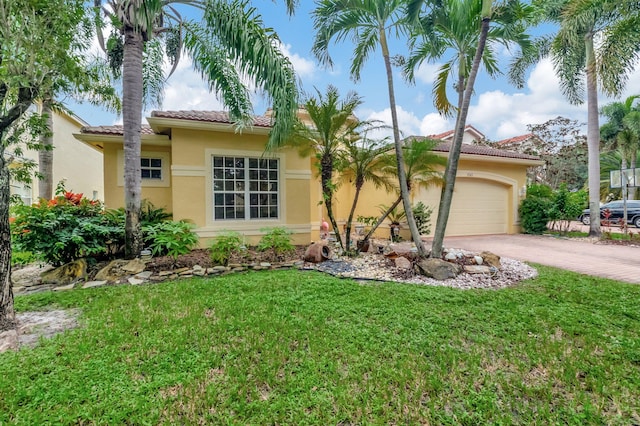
[621, 132]
[229, 45]
[39, 43]
[368, 23]
[575, 56]
[562, 146]
[465, 29]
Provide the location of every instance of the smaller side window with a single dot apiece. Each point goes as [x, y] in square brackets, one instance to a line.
[151, 168]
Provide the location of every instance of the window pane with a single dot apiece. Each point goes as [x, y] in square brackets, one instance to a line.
[217, 161]
[240, 213]
[156, 174]
[228, 161]
[228, 185]
[218, 199]
[239, 186]
[253, 199]
[229, 212]
[217, 185]
[273, 164]
[156, 162]
[273, 186]
[264, 211]
[273, 212]
[146, 173]
[219, 212]
[144, 162]
[254, 212]
[253, 163]
[274, 200]
[273, 175]
[217, 173]
[229, 199]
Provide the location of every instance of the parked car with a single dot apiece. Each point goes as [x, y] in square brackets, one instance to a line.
[617, 211]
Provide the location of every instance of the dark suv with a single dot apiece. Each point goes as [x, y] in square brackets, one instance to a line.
[617, 210]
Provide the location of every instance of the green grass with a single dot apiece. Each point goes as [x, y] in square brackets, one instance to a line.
[294, 347]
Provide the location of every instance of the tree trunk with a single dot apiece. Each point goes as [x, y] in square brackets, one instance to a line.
[402, 174]
[593, 138]
[132, 119]
[382, 218]
[358, 185]
[326, 171]
[7, 313]
[45, 154]
[456, 146]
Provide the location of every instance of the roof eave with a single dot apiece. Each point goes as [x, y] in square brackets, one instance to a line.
[164, 125]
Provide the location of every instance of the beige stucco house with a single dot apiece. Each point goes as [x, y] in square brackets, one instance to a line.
[78, 164]
[197, 165]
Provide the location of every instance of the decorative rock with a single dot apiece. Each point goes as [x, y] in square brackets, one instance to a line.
[199, 272]
[234, 265]
[64, 287]
[135, 281]
[157, 278]
[491, 259]
[112, 272]
[29, 275]
[403, 263]
[477, 269]
[165, 273]
[134, 266]
[67, 273]
[197, 268]
[92, 284]
[220, 268]
[144, 275]
[478, 259]
[265, 264]
[258, 268]
[187, 272]
[450, 256]
[239, 269]
[438, 269]
[393, 251]
[180, 270]
[317, 252]
[210, 271]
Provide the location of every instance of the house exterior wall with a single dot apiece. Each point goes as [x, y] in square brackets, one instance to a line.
[79, 165]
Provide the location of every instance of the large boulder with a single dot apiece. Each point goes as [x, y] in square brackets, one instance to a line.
[491, 259]
[317, 252]
[438, 269]
[66, 274]
[113, 271]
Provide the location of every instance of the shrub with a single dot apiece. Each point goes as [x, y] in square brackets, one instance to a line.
[277, 239]
[534, 210]
[20, 258]
[151, 215]
[171, 238]
[566, 206]
[65, 228]
[422, 215]
[224, 245]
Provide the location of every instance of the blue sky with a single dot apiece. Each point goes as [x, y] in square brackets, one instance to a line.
[497, 109]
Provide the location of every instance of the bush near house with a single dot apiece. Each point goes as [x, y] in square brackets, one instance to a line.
[65, 228]
[171, 238]
[544, 205]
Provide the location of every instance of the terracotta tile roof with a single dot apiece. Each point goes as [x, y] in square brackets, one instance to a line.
[450, 132]
[480, 150]
[516, 139]
[208, 116]
[117, 130]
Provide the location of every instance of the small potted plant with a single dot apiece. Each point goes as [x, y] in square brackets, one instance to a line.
[395, 216]
[362, 228]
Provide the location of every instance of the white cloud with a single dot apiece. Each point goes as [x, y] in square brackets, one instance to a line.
[427, 73]
[434, 123]
[304, 67]
[408, 123]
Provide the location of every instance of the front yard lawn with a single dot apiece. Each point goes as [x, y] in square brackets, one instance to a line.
[293, 347]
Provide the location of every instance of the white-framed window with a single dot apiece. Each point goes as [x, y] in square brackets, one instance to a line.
[245, 188]
[151, 168]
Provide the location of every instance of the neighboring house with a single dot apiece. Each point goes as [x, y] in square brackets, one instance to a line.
[198, 166]
[471, 135]
[79, 165]
[529, 144]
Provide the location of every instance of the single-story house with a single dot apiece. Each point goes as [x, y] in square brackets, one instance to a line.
[199, 167]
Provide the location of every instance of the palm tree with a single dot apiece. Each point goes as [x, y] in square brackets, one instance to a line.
[362, 161]
[453, 25]
[422, 171]
[622, 131]
[229, 44]
[368, 23]
[574, 53]
[332, 125]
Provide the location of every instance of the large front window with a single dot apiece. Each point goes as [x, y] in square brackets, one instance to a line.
[245, 188]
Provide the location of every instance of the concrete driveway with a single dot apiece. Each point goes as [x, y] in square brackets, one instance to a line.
[620, 263]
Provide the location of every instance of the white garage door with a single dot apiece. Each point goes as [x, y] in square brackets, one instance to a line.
[479, 207]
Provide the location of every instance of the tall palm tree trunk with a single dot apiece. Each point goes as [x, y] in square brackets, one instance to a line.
[132, 119]
[402, 175]
[451, 170]
[45, 154]
[593, 138]
[7, 313]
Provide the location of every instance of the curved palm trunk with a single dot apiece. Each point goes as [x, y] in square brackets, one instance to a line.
[358, 185]
[456, 146]
[402, 174]
[45, 155]
[326, 168]
[593, 138]
[7, 313]
[382, 218]
[132, 119]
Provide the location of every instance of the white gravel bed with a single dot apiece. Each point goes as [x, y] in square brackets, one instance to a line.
[377, 267]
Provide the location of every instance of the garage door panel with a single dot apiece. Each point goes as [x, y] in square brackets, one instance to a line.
[478, 207]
